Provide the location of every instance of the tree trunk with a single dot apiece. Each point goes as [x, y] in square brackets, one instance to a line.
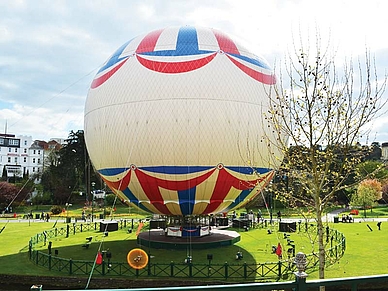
[321, 246]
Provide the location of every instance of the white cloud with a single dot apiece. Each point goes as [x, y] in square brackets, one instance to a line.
[52, 49]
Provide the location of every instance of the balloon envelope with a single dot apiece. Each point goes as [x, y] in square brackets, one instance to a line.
[174, 122]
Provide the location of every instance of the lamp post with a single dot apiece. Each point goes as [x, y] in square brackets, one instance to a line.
[93, 200]
[67, 211]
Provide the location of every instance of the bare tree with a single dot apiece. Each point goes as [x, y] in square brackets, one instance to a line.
[324, 111]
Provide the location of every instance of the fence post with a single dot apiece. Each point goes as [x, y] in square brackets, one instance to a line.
[73, 228]
[190, 269]
[36, 258]
[245, 270]
[56, 231]
[67, 230]
[301, 284]
[49, 262]
[300, 276]
[279, 269]
[30, 248]
[70, 267]
[172, 269]
[226, 270]
[81, 226]
[103, 268]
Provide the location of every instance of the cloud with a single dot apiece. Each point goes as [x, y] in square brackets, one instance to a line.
[51, 49]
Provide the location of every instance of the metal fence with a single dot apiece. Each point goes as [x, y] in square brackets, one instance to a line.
[281, 270]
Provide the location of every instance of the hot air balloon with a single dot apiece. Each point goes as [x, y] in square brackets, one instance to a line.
[174, 122]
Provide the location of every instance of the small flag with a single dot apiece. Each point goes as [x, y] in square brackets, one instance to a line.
[99, 258]
[279, 250]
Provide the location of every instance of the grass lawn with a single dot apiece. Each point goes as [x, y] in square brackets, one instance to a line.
[365, 253]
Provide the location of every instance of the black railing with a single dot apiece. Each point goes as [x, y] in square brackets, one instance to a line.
[282, 269]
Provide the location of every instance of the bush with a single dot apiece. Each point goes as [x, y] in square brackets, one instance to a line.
[56, 209]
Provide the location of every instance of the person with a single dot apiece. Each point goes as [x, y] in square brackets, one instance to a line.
[279, 215]
[258, 216]
[47, 217]
[83, 215]
[379, 225]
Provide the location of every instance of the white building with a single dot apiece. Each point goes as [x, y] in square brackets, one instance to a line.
[19, 156]
[384, 151]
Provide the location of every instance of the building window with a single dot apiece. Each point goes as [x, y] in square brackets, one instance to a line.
[25, 142]
[9, 159]
[14, 142]
[38, 152]
[33, 160]
[25, 151]
[16, 159]
[9, 150]
[38, 161]
[34, 152]
[33, 169]
[25, 159]
[1, 140]
[16, 150]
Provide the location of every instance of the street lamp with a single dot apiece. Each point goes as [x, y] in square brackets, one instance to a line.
[93, 184]
[67, 211]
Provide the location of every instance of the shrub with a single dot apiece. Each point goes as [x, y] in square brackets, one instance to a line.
[56, 209]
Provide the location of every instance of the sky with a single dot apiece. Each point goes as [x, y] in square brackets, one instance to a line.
[50, 50]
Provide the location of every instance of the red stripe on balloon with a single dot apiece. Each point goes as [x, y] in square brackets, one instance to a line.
[175, 67]
[225, 43]
[119, 185]
[151, 185]
[102, 79]
[148, 43]
[225, 182]
[258, 76]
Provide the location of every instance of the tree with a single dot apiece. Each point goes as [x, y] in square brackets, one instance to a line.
[369, 191]
[9, 193]
[67, 169]
[324, 115]
[373, 169]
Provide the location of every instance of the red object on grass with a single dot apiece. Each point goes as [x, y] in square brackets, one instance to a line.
[99, 258]
[279, 250]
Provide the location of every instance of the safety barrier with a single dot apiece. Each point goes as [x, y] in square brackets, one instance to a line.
[280, 270]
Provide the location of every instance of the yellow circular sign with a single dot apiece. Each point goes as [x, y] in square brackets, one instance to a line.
[137, 259]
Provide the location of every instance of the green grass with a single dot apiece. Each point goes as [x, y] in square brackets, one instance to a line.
[365, 253]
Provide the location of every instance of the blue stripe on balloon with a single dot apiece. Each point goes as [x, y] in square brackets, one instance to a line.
[187, 41]
[179, 170]
[112, 171]
[115, 57]
[241, 198]
[132, 198]
[187, 200]
[258, 62]
[249, 170]
[186, 45]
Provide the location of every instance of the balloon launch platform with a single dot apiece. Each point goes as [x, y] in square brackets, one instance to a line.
[157, 238]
